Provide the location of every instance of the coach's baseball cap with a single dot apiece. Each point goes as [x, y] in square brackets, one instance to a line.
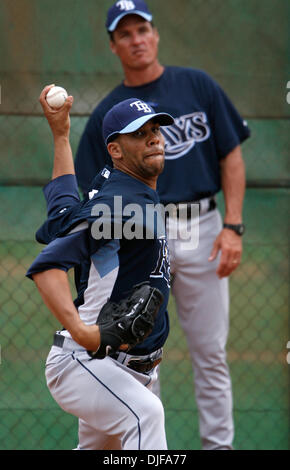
[128, 116]
[126, 7]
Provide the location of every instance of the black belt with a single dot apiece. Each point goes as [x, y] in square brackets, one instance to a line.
[142, 366]
[185, 210]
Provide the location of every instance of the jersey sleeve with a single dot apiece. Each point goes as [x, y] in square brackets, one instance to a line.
[65, 253]
[92, 154]
[60, 194]
[229, 128]
[62, 199]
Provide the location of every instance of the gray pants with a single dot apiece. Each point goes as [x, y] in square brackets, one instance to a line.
[114, 404]
[202, 301]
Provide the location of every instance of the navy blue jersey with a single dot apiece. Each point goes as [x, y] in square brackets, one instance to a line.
[107, 264]
[64, 205]
[207, 127]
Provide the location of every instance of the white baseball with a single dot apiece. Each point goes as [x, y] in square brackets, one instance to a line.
[56, 97]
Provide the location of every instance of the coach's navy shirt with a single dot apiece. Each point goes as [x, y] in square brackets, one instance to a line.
[108, 262]
[207, 127]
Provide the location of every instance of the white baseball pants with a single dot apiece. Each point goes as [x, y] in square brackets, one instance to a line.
[114, 404]
[203, 309]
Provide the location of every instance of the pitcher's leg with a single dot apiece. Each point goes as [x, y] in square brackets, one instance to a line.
[91, 439]
[110, 400]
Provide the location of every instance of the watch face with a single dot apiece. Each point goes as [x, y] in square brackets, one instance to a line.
[241, 229]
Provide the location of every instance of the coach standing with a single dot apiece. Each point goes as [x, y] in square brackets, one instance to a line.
[203, 156]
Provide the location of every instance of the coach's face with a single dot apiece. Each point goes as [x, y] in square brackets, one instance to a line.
[135, 42]
[140, 153]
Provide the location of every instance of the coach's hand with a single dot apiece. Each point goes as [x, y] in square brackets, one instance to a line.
[230, 245]
[58, 119]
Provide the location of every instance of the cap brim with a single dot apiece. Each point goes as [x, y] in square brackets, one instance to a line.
[164, 119]
[114, 24]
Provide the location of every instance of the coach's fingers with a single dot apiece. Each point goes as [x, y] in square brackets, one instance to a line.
[224, 267]
[215, 250]
[231, 252]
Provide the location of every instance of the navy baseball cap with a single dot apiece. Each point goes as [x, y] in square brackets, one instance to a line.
[126, 7]
[128, 116]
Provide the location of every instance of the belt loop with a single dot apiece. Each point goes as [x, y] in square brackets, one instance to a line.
[58, 340]
[212, 204]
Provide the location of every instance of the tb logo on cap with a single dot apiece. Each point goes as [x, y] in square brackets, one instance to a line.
[141, 106]
[125, 5]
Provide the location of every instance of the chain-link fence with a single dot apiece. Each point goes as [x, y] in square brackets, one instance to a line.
[43, 42]
[30, 419]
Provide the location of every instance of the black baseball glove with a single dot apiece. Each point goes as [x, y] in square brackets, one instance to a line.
[128, 322]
